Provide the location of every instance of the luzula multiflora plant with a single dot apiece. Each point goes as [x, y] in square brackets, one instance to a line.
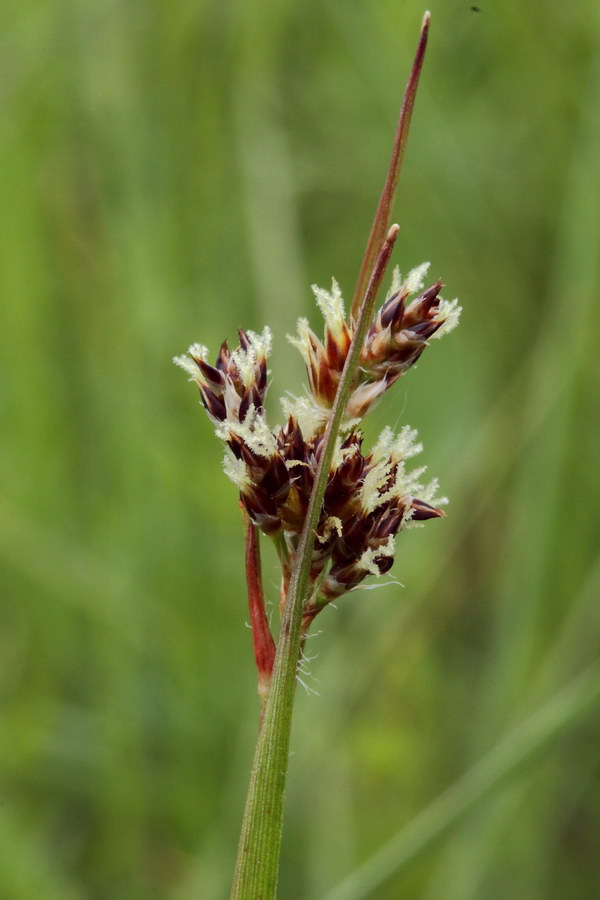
[332, 508]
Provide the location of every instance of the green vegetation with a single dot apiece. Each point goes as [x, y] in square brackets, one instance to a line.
[169, 172]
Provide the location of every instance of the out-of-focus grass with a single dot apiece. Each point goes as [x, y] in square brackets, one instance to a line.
[169, 172]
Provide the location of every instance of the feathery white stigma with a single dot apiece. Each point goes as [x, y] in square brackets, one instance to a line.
[236, 470]
[428, 493]
[367, 560]
[302, 342]
[332, 523]
[371, 495]
[188, 365]
[307, 414]
[186, 361]
[449, 314]
[404, 484]
[246, 360]
[416, 278]
[396, 283]
[340, 453]
[331, 304]
[254, 432]
[401, 446]
[392, 451]
[198, 351]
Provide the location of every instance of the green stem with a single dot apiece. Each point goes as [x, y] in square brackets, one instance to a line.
[285, 562]
[257, 866]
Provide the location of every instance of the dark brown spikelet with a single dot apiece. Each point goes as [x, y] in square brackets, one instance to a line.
[400, 333]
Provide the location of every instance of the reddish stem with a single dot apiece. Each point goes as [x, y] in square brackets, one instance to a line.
[383, 213]
[264, 646]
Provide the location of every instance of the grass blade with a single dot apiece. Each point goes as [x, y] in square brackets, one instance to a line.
[520, 747]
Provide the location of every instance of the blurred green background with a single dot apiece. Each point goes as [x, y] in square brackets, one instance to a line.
[168, 173]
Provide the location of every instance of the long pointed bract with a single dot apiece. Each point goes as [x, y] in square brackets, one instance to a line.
[383, 213]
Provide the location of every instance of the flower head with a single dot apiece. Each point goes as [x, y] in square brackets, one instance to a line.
[370, 496]
[325, 359]
[236, 382]
[398, 336]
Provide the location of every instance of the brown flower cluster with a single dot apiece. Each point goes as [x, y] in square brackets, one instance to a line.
[369, 496]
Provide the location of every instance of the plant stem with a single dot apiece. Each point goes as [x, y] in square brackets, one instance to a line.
[257, 866]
